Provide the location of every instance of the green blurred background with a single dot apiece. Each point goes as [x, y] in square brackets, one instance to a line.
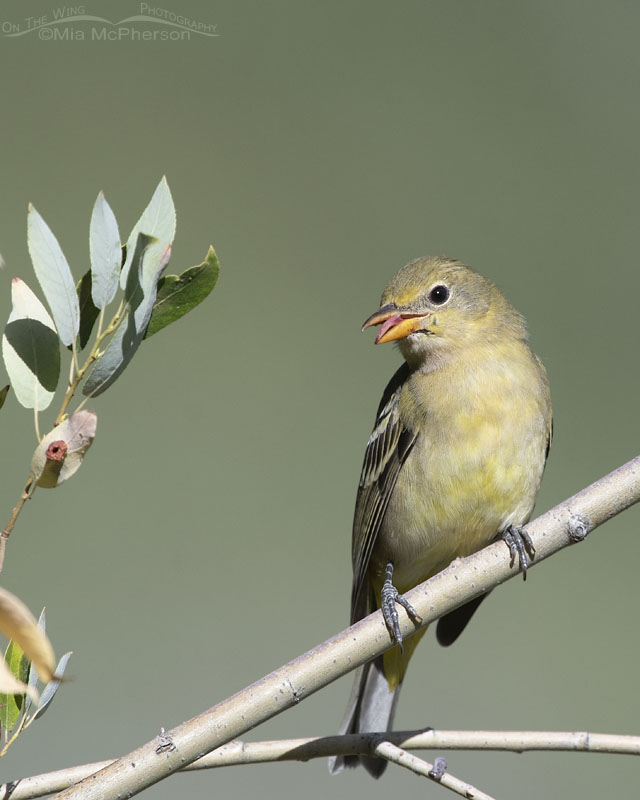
[319, 147]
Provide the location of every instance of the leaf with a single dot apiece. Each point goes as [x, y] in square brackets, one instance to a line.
[18, 623]
[10, 685]
[140, 293]
[159, 221]
[31, 349]
[106, 253]
[11, 704]
[178, 295]
[3, 394]
[88, 312]
[133, 293]
[54, 276]
[52, 687]
[33, 672]
[60, 453]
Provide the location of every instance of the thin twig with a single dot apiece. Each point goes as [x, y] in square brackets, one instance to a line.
[397, 755]
[4, 536]
[239, 753]
[284, 688]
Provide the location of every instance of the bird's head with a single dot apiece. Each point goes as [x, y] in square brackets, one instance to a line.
[434, 307]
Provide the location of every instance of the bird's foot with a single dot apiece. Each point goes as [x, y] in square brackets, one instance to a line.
[519, 543]
[389, 597]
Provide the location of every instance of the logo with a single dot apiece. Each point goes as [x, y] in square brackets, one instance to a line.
[73, 23]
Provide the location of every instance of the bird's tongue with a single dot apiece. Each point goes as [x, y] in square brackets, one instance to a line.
[387, 325]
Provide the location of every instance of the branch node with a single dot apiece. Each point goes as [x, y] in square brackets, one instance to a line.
[438, 769]
[166, 743]
[578, 527]
[294, 692]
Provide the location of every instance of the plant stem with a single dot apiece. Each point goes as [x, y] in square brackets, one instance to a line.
[28, 490]
[76, 374]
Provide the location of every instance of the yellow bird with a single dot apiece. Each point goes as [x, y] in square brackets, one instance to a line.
[455, 460]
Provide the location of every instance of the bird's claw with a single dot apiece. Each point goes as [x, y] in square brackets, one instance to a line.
[390, 596]
[519, 543]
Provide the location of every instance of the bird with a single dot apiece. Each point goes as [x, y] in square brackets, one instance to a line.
[454, 462]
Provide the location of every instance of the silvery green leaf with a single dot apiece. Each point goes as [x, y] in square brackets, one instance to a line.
[106, 253]
[54, 275]
[140, 293]
[159, 221]
[51, 688]
[31, 349]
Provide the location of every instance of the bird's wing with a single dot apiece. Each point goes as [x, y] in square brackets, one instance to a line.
[387, 449]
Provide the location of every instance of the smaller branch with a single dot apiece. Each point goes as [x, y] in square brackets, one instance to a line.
[100, 322]
[28, 490]
[238, 753]
[75, 376]
[9, 740]
[397, 755]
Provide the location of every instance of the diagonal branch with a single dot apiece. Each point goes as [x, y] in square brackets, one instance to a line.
[398, 756]
[463, 580]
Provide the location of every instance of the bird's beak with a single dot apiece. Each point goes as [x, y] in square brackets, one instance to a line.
[394, 324]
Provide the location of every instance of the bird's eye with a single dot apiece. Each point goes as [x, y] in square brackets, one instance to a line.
[439, 294]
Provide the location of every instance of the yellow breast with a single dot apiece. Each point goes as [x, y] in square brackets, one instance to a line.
[476, 465]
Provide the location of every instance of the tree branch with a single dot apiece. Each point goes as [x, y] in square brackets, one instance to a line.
[384, 749]
[237, 753]
[463, 580]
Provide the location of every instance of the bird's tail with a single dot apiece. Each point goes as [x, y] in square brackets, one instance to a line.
[373, 701]
[371, 707]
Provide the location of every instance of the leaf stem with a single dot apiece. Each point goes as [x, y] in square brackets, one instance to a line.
[36, 423]
[100, 323]
[20, 727]
[77, 372]
[74, 356]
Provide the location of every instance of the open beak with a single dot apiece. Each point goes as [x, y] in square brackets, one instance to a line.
[394, 324]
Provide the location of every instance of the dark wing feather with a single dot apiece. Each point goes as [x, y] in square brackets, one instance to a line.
[452, 624]
[387, 449]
